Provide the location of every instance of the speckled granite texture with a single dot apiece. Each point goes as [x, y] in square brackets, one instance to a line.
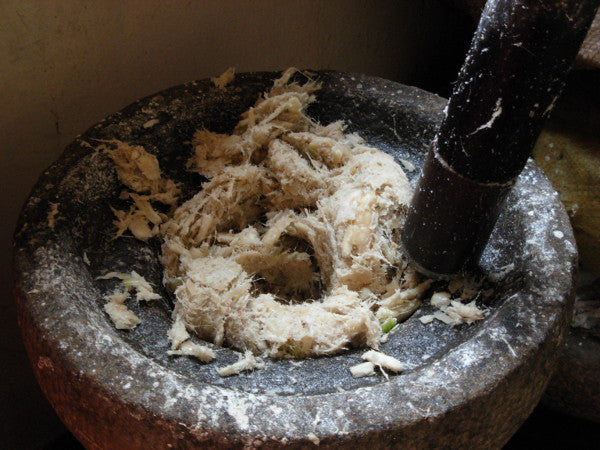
[469, 386]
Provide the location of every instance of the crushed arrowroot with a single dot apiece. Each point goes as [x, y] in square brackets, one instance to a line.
[291, 249]
[134, 281]
[458, 313]
[383, 361]
[247, 361]
[139, 170]
[189, 348]
[182, 345]
[121, 316]
[376, 359]
[455, 311]
[224, 79]
[366, 369]
[440, 299]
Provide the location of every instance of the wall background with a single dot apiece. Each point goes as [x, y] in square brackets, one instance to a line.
[66, 64]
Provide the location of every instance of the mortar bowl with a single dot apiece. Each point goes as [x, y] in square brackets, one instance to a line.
[465, 386]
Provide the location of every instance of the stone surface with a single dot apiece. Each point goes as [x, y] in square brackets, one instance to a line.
[469, 386]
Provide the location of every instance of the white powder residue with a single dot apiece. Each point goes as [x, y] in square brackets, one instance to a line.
[238, 407]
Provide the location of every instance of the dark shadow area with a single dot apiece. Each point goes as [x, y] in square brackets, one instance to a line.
[549, 429]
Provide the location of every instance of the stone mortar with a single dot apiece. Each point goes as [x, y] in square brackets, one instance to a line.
[468, 386]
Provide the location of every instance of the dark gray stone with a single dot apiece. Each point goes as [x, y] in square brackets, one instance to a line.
[469, 386]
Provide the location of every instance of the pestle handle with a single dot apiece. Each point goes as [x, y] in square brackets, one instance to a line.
[514, 71]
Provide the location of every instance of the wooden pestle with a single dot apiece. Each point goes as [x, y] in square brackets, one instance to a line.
[514, 71]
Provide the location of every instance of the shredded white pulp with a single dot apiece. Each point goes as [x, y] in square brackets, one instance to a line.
[291, 249]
